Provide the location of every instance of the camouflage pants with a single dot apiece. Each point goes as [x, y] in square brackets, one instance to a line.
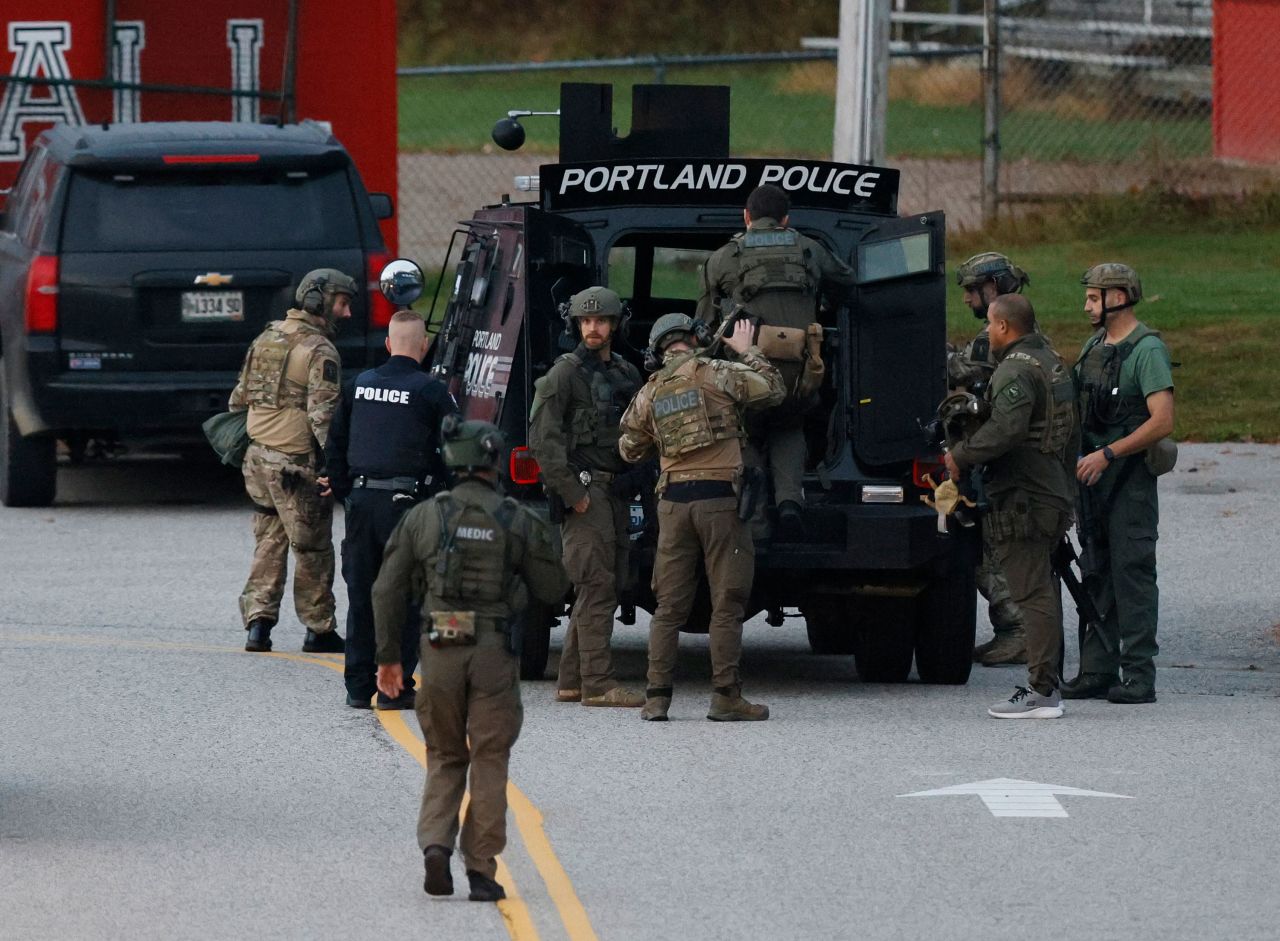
[595, 557]
[470, 712]
[300, 520]
[1004, 614]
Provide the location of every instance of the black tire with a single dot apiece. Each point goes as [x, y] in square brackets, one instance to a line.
[831, 625]
[945, 623]
[537, 644]
[28, 466]
[886, 642]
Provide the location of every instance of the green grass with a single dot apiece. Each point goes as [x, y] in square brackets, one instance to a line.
[1213, 297]
[456, 113]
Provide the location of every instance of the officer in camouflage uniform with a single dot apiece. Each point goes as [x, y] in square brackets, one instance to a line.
[690, 412]
[983, 278]
[475, 557]
[1125, 380]
[573, 435]
[1028, 446]
[778, 276]
[290, 385]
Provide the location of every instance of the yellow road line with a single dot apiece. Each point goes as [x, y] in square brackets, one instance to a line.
[528, 818]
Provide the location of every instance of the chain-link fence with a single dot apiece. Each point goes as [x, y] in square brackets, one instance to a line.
[1094, 96]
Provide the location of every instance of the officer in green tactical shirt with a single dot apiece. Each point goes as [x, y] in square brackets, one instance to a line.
[1125, 382]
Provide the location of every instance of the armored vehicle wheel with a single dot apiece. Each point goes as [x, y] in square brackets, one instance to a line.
[831, 625]
[883, 651]
[945, 625]
[28, 466]
[537, 643]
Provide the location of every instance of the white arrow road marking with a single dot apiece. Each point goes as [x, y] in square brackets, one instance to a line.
[1006, 797]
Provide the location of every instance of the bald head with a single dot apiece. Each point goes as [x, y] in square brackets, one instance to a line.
[407, 335]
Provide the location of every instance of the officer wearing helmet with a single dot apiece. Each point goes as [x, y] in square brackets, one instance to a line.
[983, 278]
[290, 385]
[475, 558]
[1125, 382]
[778, 276]
[690, 413]
[573, 435]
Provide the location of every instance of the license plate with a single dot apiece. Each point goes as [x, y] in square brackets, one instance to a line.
[202, 306]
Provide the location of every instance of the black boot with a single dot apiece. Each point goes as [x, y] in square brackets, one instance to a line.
[484, 889]
[328, 642]
[439, 879]
[259, 639]
[790, 522]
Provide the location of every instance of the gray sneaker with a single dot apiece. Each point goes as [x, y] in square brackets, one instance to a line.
[1028, 704]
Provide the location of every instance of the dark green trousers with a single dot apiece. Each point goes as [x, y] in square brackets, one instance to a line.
[1023, 540]
[1122, 576]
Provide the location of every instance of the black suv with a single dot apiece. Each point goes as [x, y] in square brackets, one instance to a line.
[873, 576]
[138, 261]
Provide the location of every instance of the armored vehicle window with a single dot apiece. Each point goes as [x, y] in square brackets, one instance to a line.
[894, 258]
[656, 271]
[224, 210]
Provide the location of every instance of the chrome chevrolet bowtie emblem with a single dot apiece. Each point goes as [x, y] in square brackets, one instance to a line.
[213, 279]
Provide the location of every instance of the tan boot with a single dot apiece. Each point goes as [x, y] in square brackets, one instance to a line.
[727, 705]
[618, 696]
[1007, 648]
[656, 703]
[568, 695]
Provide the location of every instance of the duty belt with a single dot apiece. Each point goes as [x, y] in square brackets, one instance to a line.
[686, 491]
[405, 484]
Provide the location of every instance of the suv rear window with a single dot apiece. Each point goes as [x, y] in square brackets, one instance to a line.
[220, 210]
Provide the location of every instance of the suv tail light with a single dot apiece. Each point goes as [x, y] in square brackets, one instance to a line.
[524, 469]
[380, 309]
[42, 294]
[933, 466]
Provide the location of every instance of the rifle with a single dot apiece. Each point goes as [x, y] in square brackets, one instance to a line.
[1063, 555]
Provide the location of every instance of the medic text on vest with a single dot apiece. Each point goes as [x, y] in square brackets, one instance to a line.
[400, 396]
[841, 180]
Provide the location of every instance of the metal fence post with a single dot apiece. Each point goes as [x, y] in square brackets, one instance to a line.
[991, 112]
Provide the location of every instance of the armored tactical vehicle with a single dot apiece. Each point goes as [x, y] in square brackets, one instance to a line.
[873, 576]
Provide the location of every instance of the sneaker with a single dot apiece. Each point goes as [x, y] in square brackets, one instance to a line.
[1006, 649]
[1131, 693]
[360, 702]
[568, 695]
[727, 705]
[439, 880]
[259, 639]
[1089, 686]
[618, 696]
[328, 642]
[404, 701]
[1028, 704]
[657, 700]
[484, 889]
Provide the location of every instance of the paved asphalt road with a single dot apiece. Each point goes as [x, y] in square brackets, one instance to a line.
[158, 782]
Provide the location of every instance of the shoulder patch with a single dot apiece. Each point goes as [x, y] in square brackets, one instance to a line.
[330, 371]
[1013, 392]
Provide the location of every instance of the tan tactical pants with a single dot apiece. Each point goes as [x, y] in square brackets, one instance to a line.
[595, 557]
[470, 712]
[301, 521]
[1022, 548]
[710, 530]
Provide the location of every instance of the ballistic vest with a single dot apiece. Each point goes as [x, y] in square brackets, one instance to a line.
[471, 562]
[773, 260]
[1102, 407]
[1055, 425]
[598, 423]
[687, 419]
[265, 385]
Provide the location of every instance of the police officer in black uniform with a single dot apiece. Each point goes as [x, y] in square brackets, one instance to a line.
[383, 457]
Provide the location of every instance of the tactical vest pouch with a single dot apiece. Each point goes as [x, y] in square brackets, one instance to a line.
[1161, 457]
[814, 369]
[452, 628]
[781, 344]
[681, 415]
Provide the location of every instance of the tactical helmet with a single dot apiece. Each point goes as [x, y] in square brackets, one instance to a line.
[472, 444]
[992, 266]
[595, 302]
[1112, 274]
[317, 286]
[669, 324]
